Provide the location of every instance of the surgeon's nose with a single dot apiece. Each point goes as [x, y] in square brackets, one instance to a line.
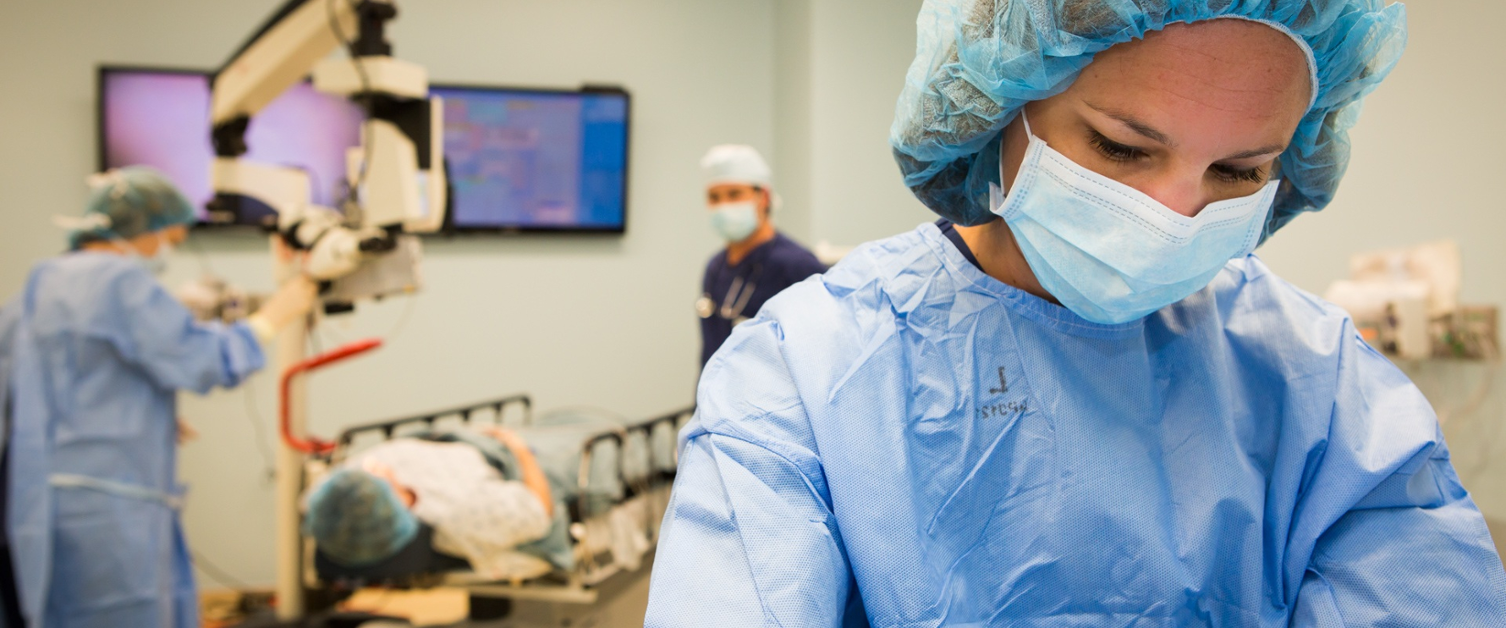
[1178, 193]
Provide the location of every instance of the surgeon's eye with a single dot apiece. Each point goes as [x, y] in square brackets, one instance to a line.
[1229, 174]
[1112, 150]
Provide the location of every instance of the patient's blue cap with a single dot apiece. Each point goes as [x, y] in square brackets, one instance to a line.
[357, 518]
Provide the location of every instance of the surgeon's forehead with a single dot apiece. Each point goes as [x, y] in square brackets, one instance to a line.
[1234, 69]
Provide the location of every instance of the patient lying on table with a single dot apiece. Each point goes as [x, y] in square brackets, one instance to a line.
[370, 507]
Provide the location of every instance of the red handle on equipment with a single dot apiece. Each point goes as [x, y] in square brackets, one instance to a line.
[311, 445]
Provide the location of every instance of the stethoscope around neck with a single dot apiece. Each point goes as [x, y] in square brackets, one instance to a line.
[736, 301]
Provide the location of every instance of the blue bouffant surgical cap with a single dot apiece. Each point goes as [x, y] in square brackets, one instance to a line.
[357, 519]
[127, 202]
[977, 62]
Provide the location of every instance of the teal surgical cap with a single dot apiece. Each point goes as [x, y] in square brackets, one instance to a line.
[977, 62]
[128, 202]
[357, 519]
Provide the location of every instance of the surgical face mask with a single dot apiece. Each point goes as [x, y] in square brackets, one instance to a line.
[157, 262]
[165, 248]
[1111, 253]
[735, 221]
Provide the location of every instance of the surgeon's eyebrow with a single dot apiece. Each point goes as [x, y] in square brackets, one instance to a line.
[1134, 124]
[1259, 152]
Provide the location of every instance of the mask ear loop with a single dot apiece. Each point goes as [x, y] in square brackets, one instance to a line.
[123, 246]
[996, 193]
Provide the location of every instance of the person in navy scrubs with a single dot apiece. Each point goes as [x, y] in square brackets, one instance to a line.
[759, 261]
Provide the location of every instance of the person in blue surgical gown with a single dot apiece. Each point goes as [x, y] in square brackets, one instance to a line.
[93, 352]
[1077, 399]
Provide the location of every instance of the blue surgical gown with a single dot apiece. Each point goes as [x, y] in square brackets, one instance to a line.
[908, 438]
[99, 351]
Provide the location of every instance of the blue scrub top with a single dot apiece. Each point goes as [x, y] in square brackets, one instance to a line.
[906, 441]
[950, 231]
[767, 270]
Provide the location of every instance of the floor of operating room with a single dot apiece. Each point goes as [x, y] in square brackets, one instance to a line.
[622, 602]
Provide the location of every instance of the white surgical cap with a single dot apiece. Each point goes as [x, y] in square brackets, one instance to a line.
[735, 163]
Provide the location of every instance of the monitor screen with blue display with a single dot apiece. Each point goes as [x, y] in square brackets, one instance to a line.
[536, 160]
[519, 160]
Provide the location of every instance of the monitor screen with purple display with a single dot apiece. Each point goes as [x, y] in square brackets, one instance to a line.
[161, 119]
[518, 160]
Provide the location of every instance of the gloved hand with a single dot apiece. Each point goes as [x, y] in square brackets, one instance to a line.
[294, 299]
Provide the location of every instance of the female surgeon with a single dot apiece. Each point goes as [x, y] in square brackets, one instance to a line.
[94, 353]
[1079, 401]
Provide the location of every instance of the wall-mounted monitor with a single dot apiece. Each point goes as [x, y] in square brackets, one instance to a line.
[518, 159]
[536, 160]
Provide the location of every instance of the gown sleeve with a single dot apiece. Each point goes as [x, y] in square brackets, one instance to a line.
[749, 537]
[1398, 541]
[155, 332]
